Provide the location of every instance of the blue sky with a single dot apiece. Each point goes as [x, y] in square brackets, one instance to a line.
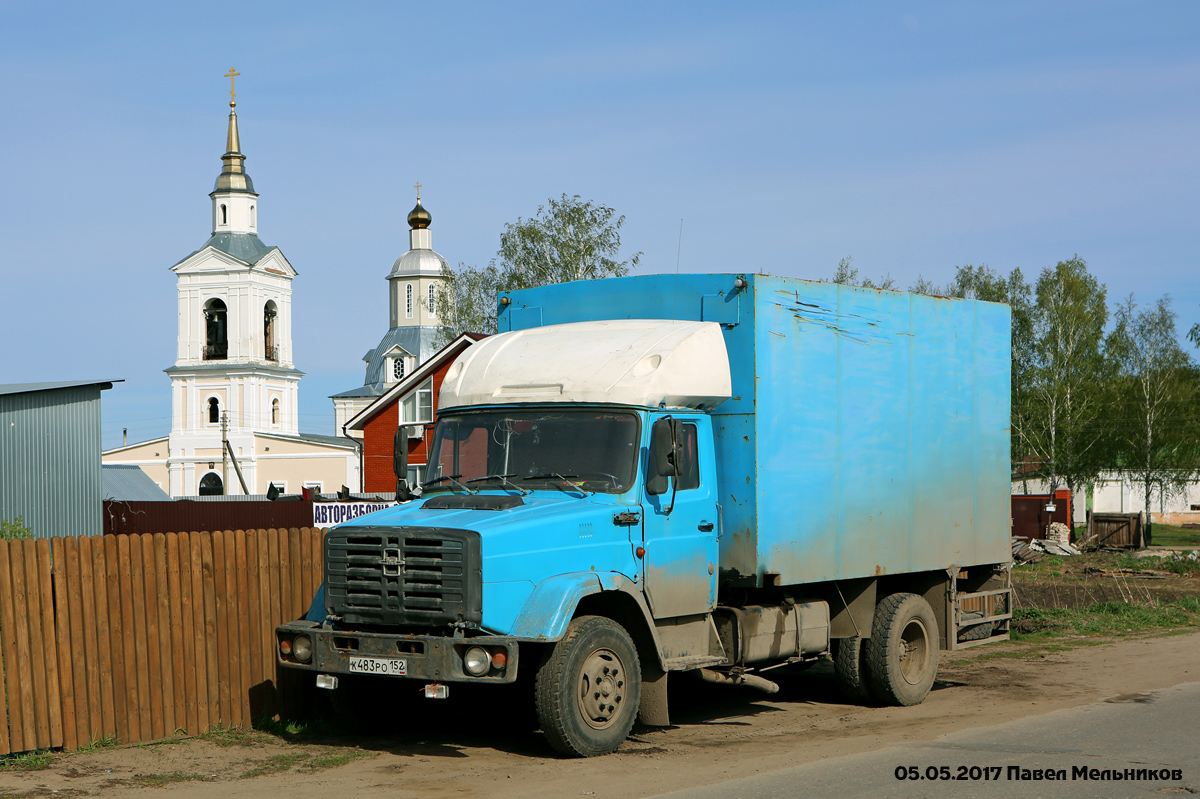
[914, 137]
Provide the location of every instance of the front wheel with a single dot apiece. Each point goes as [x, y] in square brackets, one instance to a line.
[588, 688]
[902, 653]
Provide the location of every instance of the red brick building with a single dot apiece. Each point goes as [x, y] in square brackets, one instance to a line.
[414, 399]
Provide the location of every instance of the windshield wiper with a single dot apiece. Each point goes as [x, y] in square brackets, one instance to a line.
[452, 478]
[504, 481]
[563, 477]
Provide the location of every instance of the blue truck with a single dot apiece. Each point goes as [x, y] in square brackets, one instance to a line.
[707, 473]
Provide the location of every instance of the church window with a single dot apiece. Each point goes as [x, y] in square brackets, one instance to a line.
[408, 300]
[224, 215]
[398, 368]
[275, 411]
[253, 217]
[216, 341]
[271, 352]
[211, 485]
[432, 311]
[214, 410]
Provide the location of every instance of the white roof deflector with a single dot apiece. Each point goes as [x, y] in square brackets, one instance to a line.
[641, 362]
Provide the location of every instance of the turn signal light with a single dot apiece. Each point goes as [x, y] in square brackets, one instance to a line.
[499, 659]
[285, 646]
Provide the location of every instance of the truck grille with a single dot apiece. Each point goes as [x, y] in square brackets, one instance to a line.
[412, 576]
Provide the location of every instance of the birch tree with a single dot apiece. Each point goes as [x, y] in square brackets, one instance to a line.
[569, 239]
[1062, 405]
[1156, 434]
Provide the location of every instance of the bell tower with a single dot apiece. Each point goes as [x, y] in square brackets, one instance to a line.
[233, 372]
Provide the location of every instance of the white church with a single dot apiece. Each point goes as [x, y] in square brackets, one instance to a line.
[415, 285]
[234, 385]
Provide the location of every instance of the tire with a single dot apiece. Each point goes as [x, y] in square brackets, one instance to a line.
[902, 652]
[849, 669]
[588, 688]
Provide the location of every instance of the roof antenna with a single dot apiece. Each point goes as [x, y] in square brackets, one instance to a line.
[678, 249]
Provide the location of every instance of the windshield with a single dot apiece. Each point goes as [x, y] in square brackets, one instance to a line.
[594, 450]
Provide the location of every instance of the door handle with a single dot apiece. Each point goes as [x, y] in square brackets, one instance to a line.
[705, 527]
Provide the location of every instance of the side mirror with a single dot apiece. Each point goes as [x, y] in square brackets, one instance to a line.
[662, 456]
[662, 447]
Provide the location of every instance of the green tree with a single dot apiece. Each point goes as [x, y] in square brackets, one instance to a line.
[1155, 433]
[468, 301]
[1062, 401]
[569, 239]
[847, 275]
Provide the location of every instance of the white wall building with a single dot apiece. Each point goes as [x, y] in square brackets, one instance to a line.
[234, 379]
[414, 288]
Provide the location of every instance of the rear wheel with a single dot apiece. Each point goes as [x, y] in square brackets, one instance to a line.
[849, 668]
[588, 688]
[902, 653]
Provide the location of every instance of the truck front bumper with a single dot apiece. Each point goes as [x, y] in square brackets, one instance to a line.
[425, 657]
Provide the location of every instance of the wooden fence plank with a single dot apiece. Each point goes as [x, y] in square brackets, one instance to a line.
[188, 621]
[136, 661]
[11, 738]
[285, 576]
[37, 646]
[199, 643]
[104, 635]
[61, 620]
[296, 555]
[129, 639]
[152, 703]
[80, 653]
[305, 572]
[45, 589]
[209, 648]
[176, 665]
[266, 677]
[253, 627]
[24, 661]
[166, 672]
[222, 598]
[241, 645]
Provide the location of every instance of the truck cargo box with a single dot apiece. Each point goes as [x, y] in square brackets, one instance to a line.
[868, 431]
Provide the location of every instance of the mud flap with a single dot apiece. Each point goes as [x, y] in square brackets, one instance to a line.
[652, 709]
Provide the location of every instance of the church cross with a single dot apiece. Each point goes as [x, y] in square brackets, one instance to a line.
[417, 186]
[231, 75]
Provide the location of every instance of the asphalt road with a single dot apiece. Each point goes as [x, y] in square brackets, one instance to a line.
[1159, 730]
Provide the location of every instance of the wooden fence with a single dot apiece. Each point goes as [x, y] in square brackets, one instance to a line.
[138, 637]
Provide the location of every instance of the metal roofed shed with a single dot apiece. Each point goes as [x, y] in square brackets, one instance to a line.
[125, 482]
[641, 362]
[50, 472]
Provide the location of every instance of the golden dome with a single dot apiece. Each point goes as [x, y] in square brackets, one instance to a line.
[418, 217]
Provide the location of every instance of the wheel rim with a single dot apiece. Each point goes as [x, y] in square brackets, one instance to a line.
[914, 652]
[601, 688]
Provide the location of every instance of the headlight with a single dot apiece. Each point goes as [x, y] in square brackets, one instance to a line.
[302, 648]
[477, 661]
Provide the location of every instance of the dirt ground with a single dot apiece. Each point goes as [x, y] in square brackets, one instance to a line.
[475, 745]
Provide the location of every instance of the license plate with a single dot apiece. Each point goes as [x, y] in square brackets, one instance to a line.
[395, 667]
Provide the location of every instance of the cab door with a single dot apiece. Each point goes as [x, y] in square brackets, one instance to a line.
[680, 536]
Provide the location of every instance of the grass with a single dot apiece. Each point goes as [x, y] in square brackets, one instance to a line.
[1116, 619]
[28, 761]
[1165, 535]
[276, 764]
[304, 762]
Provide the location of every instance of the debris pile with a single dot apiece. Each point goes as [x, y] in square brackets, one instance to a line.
[1027, 550]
